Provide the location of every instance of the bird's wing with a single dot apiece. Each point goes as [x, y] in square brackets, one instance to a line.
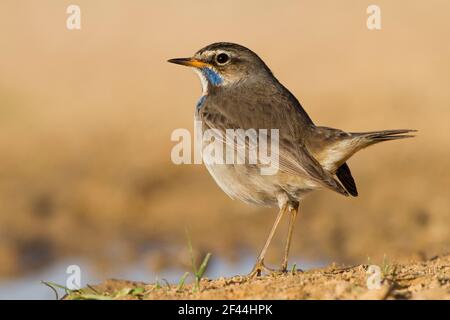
[270, 113]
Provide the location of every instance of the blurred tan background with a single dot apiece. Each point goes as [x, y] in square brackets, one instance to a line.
[86, 118]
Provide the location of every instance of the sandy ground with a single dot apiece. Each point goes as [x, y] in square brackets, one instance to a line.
[416, 280]
[86, 118]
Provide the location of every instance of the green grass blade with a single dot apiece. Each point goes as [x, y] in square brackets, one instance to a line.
[182, 281]
[203, 266]
[51, 286]
[191, 252]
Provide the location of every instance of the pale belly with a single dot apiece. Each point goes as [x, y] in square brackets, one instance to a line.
[246, 183]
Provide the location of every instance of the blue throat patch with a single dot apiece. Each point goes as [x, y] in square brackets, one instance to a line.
[200, 102]
[213, 77]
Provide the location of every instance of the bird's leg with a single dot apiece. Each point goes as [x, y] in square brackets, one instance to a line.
[259, 265]
[293, 212]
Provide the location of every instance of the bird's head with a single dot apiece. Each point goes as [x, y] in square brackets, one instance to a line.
[224, 64]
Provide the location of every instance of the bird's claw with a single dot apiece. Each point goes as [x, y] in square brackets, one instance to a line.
[261, 268]
[258, 269]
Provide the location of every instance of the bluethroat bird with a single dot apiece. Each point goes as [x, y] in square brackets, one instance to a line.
[241, 92]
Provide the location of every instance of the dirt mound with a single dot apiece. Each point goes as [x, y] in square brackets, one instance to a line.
[417, 280]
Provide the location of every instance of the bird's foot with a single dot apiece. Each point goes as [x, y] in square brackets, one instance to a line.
[261, 268]
[285, 270]
[258, 269]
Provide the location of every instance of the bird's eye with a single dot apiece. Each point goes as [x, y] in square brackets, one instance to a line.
[222, 58]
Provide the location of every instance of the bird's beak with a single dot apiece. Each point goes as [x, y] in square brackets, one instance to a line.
[190, 62]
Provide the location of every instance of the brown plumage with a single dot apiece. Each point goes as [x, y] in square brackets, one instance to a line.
[240, 92]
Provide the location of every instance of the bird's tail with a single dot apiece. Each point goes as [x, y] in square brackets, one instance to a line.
[366, 139]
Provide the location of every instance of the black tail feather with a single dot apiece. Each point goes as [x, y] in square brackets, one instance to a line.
[345, 177]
